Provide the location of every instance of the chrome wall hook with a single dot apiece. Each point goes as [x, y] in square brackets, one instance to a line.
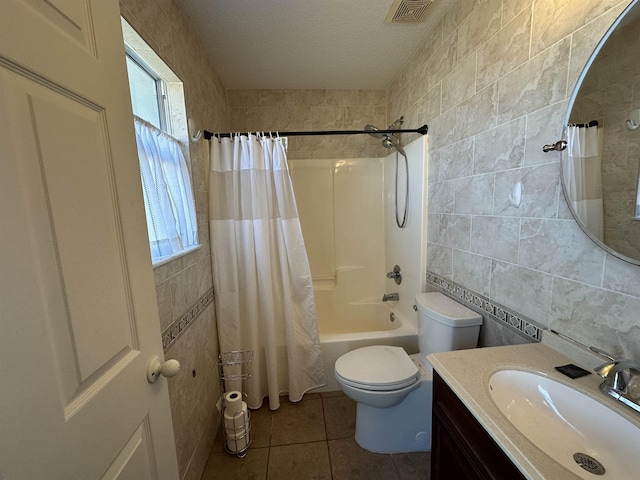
[555, 147]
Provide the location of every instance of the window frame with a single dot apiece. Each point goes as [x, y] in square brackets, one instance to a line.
[171, 103]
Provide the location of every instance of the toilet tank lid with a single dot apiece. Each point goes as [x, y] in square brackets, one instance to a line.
[447, 311]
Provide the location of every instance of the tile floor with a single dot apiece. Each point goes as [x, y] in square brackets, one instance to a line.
[311, 439]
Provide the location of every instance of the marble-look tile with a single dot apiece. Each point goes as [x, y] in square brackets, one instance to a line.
[560, 247]
[456, 160]
[276, 98]
[343, 98]
[597, 317]
[243, 98]
[478, 113]
[473, 271]
[621, 276]
[511, 8]
[439, 259]
[540, 190]
[543, 127]
[500, 148]
[555, 19]
[474, 195]
[442, 130]
[495, 237]
[455, 231]
[441, 197]
[496, 334]
[524, 290]
[433, 227]
[290, 118]
[481, 25]
[460, 84]
[305, 460]
[326, 118]
[350, 462]
[310, 97]
[538, 83]
[505, 51]
[441, 62]
[165, 307]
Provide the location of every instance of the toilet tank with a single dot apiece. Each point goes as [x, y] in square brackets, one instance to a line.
[445, 325]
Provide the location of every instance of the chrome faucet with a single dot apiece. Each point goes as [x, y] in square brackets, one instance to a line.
[617, 374]
[390, 296]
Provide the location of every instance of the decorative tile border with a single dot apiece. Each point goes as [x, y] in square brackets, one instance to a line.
[493, 310]
[178, 327]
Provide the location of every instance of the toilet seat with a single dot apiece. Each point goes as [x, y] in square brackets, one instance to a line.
[377, 368]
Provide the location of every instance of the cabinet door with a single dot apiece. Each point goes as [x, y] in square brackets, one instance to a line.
[462, 449]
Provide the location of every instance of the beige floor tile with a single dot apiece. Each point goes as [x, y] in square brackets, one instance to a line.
[340, 417]
[298, 423]
[223, 466]
[412, 466]
[261, 421]
[350, 462]
[301, 461]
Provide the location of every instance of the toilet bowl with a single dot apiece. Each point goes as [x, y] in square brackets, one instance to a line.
[393, 390]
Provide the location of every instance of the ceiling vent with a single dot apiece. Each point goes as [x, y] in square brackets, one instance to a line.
[408, 11]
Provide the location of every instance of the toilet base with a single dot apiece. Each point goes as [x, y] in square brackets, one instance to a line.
[403, 428]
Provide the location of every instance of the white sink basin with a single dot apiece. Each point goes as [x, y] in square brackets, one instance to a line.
[562, 422]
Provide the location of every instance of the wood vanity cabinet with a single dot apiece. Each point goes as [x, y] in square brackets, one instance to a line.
[462, 449]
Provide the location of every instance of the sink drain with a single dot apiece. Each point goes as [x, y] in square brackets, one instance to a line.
[588, 463]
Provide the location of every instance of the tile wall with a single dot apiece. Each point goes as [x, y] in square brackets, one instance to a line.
[184, 286]
[305, 110]
[492, 82]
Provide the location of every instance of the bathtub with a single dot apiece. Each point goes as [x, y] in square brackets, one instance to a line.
[360, 325]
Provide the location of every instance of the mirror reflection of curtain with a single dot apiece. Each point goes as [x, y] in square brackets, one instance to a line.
[583, 178]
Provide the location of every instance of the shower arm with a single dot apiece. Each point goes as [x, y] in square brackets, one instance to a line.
[422, 131]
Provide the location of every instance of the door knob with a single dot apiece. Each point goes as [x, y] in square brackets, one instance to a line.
[156, 368]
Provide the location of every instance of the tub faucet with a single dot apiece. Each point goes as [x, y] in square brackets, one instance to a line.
[390, 296]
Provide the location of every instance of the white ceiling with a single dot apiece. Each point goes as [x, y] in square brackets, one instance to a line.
[333, 44]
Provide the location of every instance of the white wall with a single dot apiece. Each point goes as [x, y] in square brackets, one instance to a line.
[406, 247]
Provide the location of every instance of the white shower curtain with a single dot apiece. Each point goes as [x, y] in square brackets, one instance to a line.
[583, 176]
[262, 281]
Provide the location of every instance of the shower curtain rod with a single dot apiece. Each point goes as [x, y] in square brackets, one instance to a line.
[422, 130]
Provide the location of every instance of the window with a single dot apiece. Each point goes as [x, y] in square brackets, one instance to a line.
[157, 99]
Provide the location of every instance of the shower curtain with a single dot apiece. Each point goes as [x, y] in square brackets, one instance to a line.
[583, 176]
[262, 281]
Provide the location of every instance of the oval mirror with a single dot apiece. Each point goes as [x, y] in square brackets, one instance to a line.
[600, 163]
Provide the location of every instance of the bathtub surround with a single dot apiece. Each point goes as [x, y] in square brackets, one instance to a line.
[183, 286]
[493, 82]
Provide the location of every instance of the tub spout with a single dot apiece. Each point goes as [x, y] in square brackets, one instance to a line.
[390, 296]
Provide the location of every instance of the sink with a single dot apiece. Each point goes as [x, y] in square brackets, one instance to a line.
[569, 426]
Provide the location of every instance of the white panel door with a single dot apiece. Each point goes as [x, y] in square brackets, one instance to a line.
[78, 312]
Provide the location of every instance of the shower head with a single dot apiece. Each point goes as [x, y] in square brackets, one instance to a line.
[373, 131]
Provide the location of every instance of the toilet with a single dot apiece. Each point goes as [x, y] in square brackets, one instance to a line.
[394, 390]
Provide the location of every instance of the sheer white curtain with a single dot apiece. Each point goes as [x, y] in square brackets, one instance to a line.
[583, 176]
[168, 197]
[262, 281]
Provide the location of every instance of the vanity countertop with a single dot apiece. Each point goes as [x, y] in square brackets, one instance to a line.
[467, 373]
